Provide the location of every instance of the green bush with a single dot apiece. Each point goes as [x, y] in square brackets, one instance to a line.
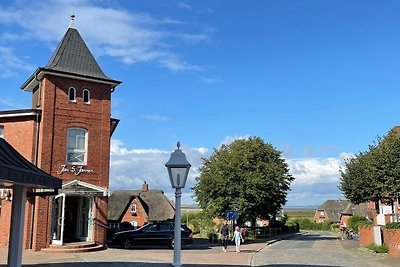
[291, 227]
[212, 237]
[393, 225]
[378, 249]
[308, 224]
[355, 222]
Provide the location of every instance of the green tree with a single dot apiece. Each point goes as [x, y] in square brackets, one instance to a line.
[248, 175]
[373, 175]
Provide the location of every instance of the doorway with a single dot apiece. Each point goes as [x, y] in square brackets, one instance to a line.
[72, 219]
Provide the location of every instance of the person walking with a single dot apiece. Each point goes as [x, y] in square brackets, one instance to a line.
[224, 235]
[342, 229]
[237, 237]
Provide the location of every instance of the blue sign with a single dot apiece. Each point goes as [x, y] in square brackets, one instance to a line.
[231, 215]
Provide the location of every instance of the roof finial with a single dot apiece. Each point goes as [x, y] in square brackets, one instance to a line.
[72, 22]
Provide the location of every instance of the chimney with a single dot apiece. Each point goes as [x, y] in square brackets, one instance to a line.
[145, 187]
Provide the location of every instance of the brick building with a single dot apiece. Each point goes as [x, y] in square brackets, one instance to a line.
[67, 134]
[138, 207]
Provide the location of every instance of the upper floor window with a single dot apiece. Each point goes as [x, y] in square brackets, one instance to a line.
[133, 208]
[72, 94]
[77, 146]
[1, 131]
[86, 96]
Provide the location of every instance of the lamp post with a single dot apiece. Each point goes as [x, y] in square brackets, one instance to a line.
[178, 170]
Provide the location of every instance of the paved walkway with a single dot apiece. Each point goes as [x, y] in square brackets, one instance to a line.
[198, 255]
[201, 254]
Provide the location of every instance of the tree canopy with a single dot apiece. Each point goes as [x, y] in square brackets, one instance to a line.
[373, 175]
[248, 175]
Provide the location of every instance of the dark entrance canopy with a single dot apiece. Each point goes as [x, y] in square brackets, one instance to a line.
[15, 169]
[18, 173]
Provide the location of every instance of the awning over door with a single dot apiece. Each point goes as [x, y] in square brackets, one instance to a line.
[18, 173]
[15, 169]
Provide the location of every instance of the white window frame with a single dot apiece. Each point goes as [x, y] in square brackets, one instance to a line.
[1, 131]
[76, 150]
[72, 90]
[88, 96]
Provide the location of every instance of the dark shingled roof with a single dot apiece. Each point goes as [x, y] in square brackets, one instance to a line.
[155, 203]
[14, 168]
[333, 209]
[358, 210]
[73, 56]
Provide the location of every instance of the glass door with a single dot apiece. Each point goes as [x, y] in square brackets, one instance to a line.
[84, 219]
[58, 219]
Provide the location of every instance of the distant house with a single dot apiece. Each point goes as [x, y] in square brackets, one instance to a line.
[336, 211]
[330, 211]
[138, 207]
[355, 210]
[386, 211]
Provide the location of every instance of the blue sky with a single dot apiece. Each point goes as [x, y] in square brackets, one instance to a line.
[317, 79]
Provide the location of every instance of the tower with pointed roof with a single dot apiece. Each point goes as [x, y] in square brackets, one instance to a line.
[66, 133]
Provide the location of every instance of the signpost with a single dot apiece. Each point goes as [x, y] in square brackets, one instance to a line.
[231, 215]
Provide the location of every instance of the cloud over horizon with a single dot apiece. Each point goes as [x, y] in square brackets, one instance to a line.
[316, 179]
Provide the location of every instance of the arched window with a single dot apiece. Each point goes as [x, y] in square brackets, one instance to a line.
[72, 94]
[77, 146]
[86, 96]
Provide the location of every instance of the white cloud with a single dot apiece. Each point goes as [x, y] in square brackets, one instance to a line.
[316, 179]
[131, 167]
[132, 37]
[310, 171]
[10, 63]
[183, 5]
[230, 139]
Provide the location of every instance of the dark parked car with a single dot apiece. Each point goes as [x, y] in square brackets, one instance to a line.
[160, 233]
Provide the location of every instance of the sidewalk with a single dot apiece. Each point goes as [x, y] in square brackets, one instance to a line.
[198, 254]
[353, 247]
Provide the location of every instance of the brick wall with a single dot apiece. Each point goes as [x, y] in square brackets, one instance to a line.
[140, 216]
[320, 216]
[5, 223]
[100, 220]
[391, 238]
[345, 219]
[19, 132]
[366, 236]
[59, 114]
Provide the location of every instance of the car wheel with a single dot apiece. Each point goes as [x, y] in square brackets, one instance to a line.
[126, 243]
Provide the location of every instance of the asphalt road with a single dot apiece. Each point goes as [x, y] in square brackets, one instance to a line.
[313, 249]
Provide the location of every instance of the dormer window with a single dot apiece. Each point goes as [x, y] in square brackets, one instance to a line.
[72, 94]
[133, 209]
[86, 96]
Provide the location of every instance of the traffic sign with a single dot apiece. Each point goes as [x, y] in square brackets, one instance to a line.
[231, 215]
